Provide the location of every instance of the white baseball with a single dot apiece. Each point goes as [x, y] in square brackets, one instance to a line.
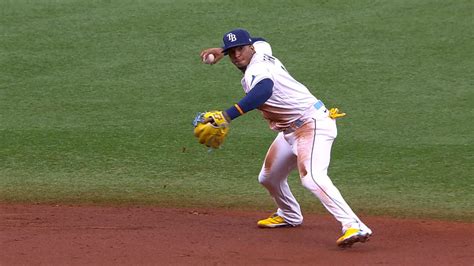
[209, 59]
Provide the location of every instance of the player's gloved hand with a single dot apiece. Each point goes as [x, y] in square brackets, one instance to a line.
[217, 52]
[211, 128]
[334, 113]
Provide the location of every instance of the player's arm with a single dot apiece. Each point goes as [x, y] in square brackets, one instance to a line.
[257, 96]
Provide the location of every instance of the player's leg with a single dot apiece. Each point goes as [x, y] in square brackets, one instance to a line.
[279, 162]
[314, 142]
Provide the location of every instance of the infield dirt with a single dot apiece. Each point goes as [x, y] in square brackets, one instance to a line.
[85, 235]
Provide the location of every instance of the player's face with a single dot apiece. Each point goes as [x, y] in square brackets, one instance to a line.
[241, 55]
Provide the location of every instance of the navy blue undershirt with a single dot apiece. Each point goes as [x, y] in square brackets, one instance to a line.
[257, 96]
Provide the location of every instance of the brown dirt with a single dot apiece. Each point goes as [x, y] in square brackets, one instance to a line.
[82, 235]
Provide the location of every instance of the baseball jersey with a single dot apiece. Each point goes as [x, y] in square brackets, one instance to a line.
[261, 46]
[290, 99]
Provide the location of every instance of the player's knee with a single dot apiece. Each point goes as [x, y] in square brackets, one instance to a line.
[316, 181]
[265, 180]
[308, 183]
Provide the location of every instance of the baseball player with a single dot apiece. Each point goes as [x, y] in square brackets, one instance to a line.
[306, 130]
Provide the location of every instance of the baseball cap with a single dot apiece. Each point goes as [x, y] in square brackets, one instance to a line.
[234, 38]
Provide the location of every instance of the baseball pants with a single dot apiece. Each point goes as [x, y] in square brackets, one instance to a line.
[308, 149]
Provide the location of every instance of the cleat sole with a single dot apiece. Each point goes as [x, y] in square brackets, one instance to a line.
[347, 243]
[273, 225]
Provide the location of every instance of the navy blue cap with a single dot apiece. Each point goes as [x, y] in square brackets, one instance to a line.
[234, 38]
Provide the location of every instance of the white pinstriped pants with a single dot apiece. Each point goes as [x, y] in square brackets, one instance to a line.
[308, 149]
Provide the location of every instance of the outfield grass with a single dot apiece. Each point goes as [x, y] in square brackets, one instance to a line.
[97, 99]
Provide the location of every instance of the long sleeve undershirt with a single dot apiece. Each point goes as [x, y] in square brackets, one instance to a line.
[257, 96]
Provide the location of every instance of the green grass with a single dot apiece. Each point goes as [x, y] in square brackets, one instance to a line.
[97, 98]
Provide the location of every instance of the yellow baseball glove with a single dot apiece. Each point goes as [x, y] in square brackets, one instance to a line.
[334, 113]
[211, 128]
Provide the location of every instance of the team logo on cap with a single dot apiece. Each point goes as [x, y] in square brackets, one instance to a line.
[231, 37]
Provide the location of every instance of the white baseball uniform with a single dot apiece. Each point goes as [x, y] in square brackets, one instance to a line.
[306, 134]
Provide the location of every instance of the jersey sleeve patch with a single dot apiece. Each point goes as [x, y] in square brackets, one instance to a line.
[253, 78]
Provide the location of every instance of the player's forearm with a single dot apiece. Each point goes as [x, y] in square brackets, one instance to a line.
[260, 93]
